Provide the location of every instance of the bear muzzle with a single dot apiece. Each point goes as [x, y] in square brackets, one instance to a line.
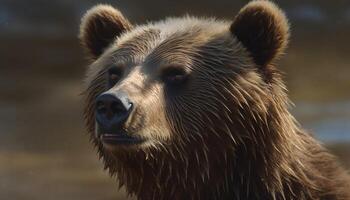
[112, 111]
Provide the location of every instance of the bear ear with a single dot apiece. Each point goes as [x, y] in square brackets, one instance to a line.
[263, 29]
[100, 26]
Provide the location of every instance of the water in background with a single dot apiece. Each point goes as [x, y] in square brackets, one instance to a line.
[330, 122]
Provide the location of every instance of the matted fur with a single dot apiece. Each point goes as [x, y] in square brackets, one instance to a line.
[227, 133]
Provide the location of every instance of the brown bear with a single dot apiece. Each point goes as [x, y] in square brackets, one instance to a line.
[193, 108]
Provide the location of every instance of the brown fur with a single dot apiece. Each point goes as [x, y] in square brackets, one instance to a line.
[102, 25]
[225, 134]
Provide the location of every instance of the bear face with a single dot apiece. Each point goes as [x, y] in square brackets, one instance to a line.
[196, 88]
[193, 108]
[183, 76]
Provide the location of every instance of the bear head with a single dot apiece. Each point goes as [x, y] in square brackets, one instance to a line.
[176, 101]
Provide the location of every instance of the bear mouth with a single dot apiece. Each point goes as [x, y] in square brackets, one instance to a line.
[120, 138]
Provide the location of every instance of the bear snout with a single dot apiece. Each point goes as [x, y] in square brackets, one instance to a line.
[112, 110]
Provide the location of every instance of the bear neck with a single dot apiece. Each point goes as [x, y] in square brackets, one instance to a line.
[261, 169]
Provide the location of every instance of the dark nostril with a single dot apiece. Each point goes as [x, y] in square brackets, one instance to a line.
[117, 107]
[112, 108]
[100, 107]
[108, 104]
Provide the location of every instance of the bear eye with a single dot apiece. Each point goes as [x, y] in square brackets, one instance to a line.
[174, 75]
[114, 76]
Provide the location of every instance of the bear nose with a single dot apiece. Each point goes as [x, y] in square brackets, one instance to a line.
[112, 110]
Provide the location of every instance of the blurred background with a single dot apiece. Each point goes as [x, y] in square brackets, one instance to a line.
[44, 149]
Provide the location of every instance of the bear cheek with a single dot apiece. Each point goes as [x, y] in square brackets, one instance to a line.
[158, 127]
[150, 117]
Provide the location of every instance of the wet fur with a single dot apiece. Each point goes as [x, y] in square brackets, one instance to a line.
[228, 134]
